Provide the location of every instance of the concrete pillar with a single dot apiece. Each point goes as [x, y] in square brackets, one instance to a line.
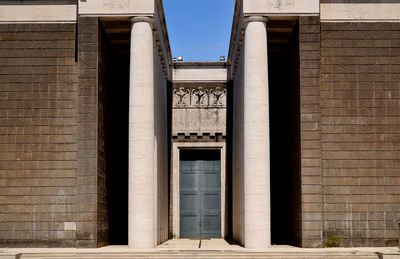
[142, 207]
[257, 230]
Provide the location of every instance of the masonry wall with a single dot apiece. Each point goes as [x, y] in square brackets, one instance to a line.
[310, 132]
[38, 135]
[88, 132]
[360, 125]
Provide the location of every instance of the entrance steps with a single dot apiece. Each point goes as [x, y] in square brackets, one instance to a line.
[204, 249]
[205, 254]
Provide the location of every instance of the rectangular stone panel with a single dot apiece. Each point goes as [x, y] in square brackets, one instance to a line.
[116, 7]
[282, 7]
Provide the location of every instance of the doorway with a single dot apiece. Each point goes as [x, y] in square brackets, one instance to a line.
[200, 193]
[199, 190]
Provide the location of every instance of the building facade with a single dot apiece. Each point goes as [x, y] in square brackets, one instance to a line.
[104, 139]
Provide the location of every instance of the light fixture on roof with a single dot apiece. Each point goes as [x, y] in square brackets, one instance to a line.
[174, 59]
[222, 58]
[180, 58]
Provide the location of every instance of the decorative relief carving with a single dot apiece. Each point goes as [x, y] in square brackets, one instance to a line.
[116, 4]
[217, 97]
[199, 97]
[181, 97]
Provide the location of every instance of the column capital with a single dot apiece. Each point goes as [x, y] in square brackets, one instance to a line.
[147, 19]
[255, 18]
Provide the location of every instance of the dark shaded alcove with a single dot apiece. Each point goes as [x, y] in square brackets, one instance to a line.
[285, 142]
[114, 97]
[117, 156]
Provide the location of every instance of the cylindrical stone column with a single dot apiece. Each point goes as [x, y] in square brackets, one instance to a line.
[256, 135]
[141, 222]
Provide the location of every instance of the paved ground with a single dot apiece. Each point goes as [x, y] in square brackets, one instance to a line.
[208, 244]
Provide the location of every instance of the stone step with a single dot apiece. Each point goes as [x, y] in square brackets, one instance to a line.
[204, 254]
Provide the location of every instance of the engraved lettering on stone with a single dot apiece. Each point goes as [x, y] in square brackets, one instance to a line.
[279, 4]
[217, 97]
[276, 4]
[116, 4]
[181, 97]
[199, 97]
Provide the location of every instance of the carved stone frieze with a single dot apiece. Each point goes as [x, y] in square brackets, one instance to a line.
[181, 97]
[217, 97]
[199, 97]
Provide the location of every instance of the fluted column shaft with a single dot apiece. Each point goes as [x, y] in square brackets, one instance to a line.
[142, 209]
[256, 135]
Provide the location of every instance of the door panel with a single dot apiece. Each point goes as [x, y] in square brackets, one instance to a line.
[200, 196]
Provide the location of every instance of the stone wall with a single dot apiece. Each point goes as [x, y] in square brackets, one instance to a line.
[360, 107]
[310, 131]
[38, 135]
[88, 132]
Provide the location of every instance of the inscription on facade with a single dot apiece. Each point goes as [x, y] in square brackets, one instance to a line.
[279, 4]
[116, 4]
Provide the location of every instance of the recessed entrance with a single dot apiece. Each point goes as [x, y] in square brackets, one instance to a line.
[200, 193]
[199, 190]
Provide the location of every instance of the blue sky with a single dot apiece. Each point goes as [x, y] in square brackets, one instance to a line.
[199, 30]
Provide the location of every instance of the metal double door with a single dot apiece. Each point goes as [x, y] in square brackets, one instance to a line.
[200, 198]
